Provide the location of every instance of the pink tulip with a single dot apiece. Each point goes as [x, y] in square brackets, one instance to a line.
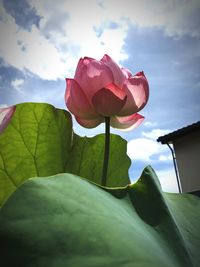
[5, 117]
[102, 89]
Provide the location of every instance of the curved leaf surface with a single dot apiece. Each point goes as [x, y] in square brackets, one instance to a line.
[65, 220]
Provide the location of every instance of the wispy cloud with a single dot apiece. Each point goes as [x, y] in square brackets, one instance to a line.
[51, 51]
[47, 41]
[37, 54]
[17, 84]
[155, 133]
[24, 15]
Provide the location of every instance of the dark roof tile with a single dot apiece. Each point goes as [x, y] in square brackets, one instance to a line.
[178, 133]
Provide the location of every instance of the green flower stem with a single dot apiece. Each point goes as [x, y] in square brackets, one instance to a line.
[106, 151]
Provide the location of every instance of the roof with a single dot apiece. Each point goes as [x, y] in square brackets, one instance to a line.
[179, 133]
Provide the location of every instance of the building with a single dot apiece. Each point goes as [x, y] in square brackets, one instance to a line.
[186, 156]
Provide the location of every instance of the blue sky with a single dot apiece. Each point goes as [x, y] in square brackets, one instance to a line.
[41, 42]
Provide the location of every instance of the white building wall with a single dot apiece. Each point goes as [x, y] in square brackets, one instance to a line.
[187, 150]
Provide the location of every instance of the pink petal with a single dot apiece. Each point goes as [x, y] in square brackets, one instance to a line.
[126, 72]
[128, 122]
[90, 123]
[137, 90]
[77, 101]
[92, 75]
[118, 74]
[5, 116]
[109, 101]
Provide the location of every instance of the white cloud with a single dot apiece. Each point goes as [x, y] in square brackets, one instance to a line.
[148, 149]
[150, 124]
[165, 157]
[52, 51]
[29, 50]
[175, 17]
[78, 33]
[144, 149]
[155, 133]
[168, 180]
[17, 84]
[69, 31]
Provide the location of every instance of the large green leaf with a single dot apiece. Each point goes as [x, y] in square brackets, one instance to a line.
[65, 220]
[86, 159]
[39, 142]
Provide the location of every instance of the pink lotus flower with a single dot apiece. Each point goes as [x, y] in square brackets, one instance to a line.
[5, 117]
[102, 89]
